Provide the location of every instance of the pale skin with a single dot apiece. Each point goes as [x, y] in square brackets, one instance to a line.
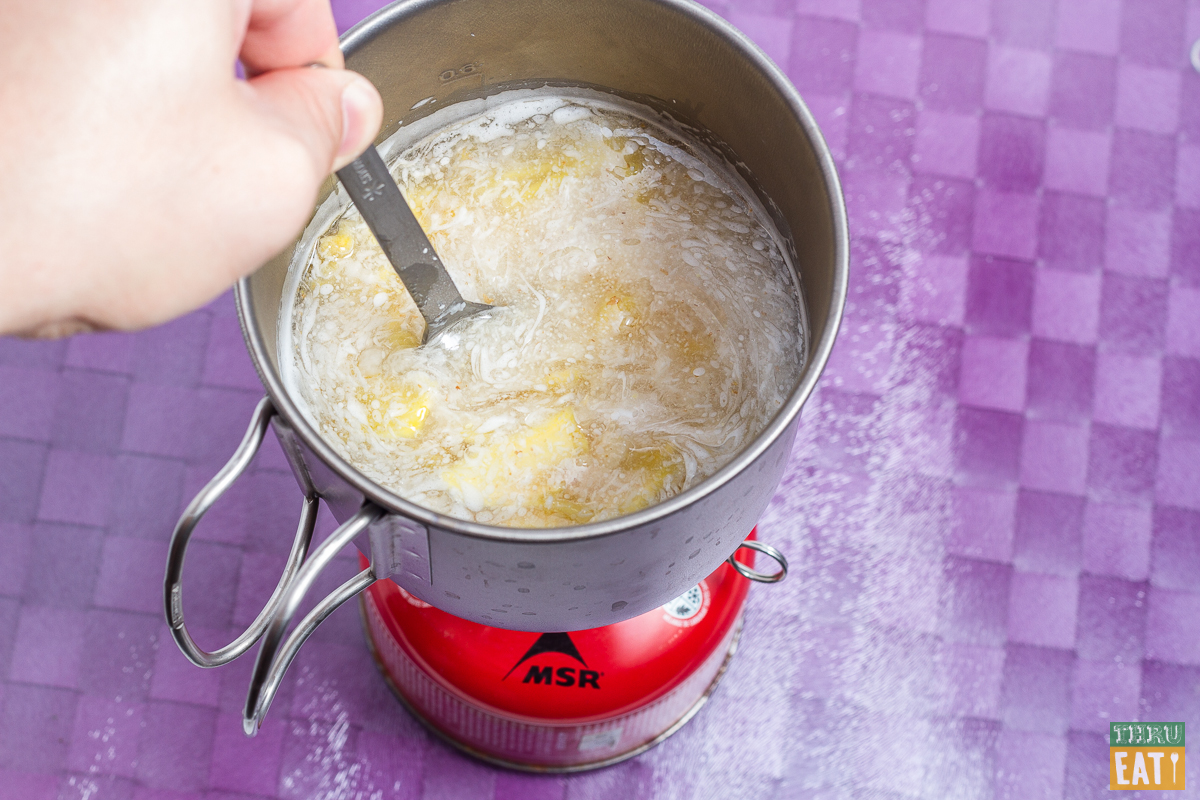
[139, 178]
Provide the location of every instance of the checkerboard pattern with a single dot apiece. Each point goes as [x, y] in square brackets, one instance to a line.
[993, 509]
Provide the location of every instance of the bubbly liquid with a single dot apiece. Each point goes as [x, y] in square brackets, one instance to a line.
[647, 325]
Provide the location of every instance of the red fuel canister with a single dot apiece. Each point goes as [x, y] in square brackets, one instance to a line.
[557, 702]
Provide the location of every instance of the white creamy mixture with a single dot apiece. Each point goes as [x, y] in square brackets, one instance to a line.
[647, 326]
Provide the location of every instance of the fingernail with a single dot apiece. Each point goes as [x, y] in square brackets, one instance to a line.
[359, 101]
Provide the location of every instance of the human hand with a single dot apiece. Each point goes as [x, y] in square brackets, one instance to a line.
[139, 178]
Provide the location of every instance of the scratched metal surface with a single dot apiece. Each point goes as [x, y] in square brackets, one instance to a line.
[993, 508]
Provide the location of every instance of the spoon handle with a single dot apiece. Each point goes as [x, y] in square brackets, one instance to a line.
[398, 232]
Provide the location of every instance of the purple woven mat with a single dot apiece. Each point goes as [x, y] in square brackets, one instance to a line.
[993, 507]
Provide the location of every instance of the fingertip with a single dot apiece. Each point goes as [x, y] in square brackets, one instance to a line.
[278, 34]
[362, 116]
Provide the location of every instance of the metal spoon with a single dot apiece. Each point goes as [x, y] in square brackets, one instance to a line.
[378, 199]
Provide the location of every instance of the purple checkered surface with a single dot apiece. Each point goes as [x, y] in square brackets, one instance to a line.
[992, 509]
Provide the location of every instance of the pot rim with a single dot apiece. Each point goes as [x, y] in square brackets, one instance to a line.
[364, 32]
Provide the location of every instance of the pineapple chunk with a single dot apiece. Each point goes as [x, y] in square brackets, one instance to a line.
[399, 409]
[651, 470]
[336, 244]
[530, 178]
[547, 444]
[564, 378]
[516, 466]
[560, 508]
[542, 171]
[635, 162]
[406, 415]
[420, 198]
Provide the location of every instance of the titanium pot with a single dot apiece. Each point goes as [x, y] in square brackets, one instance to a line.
[677, 58]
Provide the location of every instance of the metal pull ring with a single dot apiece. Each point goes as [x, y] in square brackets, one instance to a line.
[173, 589]
[760, 577]
[269, 667]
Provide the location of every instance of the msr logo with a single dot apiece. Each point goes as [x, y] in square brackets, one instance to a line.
[564, 676]
[1146, 755]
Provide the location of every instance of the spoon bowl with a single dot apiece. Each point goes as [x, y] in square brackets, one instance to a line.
[387, 214]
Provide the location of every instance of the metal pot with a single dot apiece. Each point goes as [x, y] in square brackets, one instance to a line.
[674, 56]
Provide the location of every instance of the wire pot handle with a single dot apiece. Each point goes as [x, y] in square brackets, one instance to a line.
[200, 505]
[276, 653]
[760, 577]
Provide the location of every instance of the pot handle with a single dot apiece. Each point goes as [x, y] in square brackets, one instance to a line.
[173, 589]
[760, 577]
[274, 658]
